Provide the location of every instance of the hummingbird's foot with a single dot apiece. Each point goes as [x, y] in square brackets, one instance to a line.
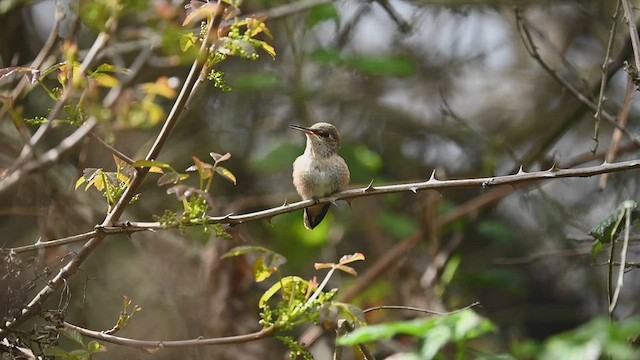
[315, 200]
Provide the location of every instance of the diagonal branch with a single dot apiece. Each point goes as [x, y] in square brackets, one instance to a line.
[174, 116]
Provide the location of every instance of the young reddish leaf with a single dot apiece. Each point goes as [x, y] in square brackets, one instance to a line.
[199, 11]
[171, 178]
[226, 174]
[205, 170]
[220, 158]
[351, 258]
[347, 269]
[320, 266]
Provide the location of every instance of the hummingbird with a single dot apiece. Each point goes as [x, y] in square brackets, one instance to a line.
[319, 171]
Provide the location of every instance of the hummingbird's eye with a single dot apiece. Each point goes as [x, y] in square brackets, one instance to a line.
[323, 134]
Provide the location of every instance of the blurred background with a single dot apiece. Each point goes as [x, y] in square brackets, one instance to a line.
[413, 87]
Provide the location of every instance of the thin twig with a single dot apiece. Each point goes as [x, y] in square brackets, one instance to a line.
[159, 344]
[623, 260]
[411, 308]
[532, 50]
[616, 137]
[27, 151]
[111, 149]
[603, 81]
[633, 31]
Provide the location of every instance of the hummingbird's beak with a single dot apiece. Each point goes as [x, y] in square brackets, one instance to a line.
[301, 128]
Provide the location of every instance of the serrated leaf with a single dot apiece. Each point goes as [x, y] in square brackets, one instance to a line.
[73, 335]
[57, 352]
[226, 174]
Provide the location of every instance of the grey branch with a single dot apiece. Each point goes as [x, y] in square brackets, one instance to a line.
[521, 177]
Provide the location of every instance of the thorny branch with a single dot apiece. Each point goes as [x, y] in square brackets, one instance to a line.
[348, 195]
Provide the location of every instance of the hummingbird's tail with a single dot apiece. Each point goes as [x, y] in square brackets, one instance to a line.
[313, 215]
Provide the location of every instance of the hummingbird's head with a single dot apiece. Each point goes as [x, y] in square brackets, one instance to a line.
[322, 138]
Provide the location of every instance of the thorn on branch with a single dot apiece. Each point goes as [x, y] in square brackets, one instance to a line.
[369, 187]
[432, 178]
[521, 171]
[413, 190]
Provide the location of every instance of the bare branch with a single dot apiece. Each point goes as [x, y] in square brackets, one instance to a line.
[603, 81]
[370, 190]
[159, 344]
[633, 30]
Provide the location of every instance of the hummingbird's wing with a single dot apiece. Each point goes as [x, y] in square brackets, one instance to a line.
[313, 215]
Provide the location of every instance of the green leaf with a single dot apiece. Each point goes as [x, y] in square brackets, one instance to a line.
[436, 332]
[283, 283]
[57, 352]
[599, 338]
[79, 182]
[382, 66]
[323, 13]
[609, 228]
[242, 250]
[150, 164]
[73, 335]
[267, 264]
[187, 41]
[95, 347]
